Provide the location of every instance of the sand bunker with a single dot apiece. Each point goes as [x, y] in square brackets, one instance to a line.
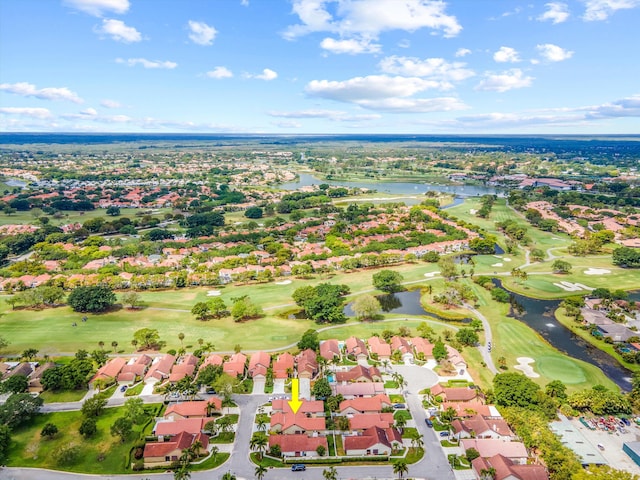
[214, 293]
[431, 274]
[473, 211]
[524, 367]
[572, 287]
[284, 282]
[596, 271]
[496, 265]
[505, 259]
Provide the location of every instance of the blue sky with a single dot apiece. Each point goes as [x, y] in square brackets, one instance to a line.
[320, 66]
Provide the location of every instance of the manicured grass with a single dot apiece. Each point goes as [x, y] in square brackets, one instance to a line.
[266, 461]
[100, 454]
[408, 432]
[414, 455]
[390, 384]
[223, 437]
[402, 414]
[135, 390]
[73, 217]
[395, 398]
[211, 462]
[64, 396]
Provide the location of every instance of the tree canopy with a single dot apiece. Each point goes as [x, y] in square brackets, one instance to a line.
[388, 281]
[92, 299]
[322, 303]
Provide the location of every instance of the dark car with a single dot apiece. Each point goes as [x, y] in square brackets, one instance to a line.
[626, 421]
[123, 388]
[428, 422]
[399, 405]
[444, 434]
[298, 467]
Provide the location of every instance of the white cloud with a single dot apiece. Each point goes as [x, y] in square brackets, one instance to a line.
[625, 107]
[50, 93]
[553, 53]
[244, 3]
[287, 124]
[505, 81]
[368, 18]
[351, 46]
[98, 7]
[92, 112]
[118, 31]
[602, 9]
[436, 68]
[556, 12]
[201, 33]
[132, 62]
[383, 92]
[506, 54]
[267, 75]
[110, 103]
[220, 72]
[462, 52]
[26, 112]
[335, 115]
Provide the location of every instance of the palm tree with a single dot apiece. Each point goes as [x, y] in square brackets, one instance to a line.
[260, 471]
[182, 473]
[416, 440]
[488, 473]
[330, 473]
[181, 338]
[195, 448]
[101, 344]
[400, 467]
[401, 422]
[114, 345]
[134, 343]
[228, 476]
[262, 424]
[214, 452]
[259, 442]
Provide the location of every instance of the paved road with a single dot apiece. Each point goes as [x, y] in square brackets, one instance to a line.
[486, 356]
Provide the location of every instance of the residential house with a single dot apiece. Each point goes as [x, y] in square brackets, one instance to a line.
[422, 347]
[24, 368]
[214, 360]
[108, 373]
[306, 364]
[298, 423]
[365, 405]
[359, 373]
[196, 409]
[283, 366]
[506, 469]
[330, 349]
[482, 427]
[355, 347]
[311, 408]
[361, 422]
[184, 368]
[157, 454]
[379, 348]
[235, 365]
[402, 345]
[174, 427]
[454, 357]
[467, 410]
[489, 447]
[617, 332]
[298, 445]
[373, 441]
[457, 394]
[259, 364]
[160, 369]
[134, 369]
[35, 379]
[355, 390]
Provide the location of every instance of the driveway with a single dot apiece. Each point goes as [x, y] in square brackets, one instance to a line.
[258, 386]
[304, 386]
[278, 386]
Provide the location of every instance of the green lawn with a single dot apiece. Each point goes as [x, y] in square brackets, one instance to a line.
[100, 454]
[73, 217]
[66, 396]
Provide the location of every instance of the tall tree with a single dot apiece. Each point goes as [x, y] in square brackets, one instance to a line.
[388, 281]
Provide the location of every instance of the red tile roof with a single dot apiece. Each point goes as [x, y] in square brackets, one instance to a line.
[366, 420]
[193, 409]
[286, 421]
[289, 444]
[190, 425]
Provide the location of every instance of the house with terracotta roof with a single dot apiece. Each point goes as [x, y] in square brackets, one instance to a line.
[215, 360]
[402, 345]
[356, 347]
[355, 390]
[235, 365]
[506, 469]
[134, 369]
[259, 364]
[373, 441]
[109, 371]
[283, 366]
[298, 423]
[365, 405]
[195, 409]
[311, 408]
[359, 373]
[361, 422]
[160, 369]
[466, 409]
[306, 364]
[422, 347]
[482, 427]
[379, 348]
[160, 454]
[330, 349]
[456, 359]
[298, 445]
[174, 427]
[456, 394]
[489, 447]
[185, 367]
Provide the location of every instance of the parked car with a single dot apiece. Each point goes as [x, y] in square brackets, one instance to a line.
[298, 467]
[399, 405]
[428, 422]
[626, 421]
[123, 388]
[444, 434]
